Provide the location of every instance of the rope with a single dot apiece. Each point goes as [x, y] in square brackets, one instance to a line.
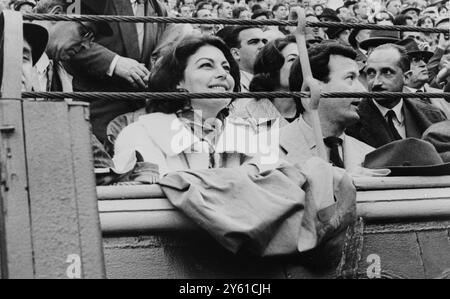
[235, 95]
[148, 19]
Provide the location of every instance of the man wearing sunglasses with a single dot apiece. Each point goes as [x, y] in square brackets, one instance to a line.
[66, 39]
[417, 78]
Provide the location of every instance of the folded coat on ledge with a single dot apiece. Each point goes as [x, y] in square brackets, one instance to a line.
[273, 213]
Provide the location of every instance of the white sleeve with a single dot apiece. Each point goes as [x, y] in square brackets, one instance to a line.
[112, 66]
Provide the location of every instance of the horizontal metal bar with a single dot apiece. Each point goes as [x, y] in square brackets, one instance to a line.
[110, 96]
[158, 214]
[217, 21]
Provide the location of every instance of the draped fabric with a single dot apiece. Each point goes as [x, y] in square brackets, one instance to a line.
[282, 211]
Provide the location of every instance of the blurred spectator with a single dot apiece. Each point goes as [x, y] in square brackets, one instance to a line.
[241, 13]
[430, 38]
[344, 13]
[403, 20]
[189, 3]
[204, 13]
[262, 14]
[394, 6]
[262, 4]
[383, 18]
[318, 9]
[204, 5]
[24, 6]
[413, 12]
[361, 10]
[329, 15]
[443, 11]
[185, 11]
[225, 10]
[431, 11]
[280, 12]
[314, 34]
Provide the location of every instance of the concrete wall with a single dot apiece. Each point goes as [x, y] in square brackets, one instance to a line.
[396, 250]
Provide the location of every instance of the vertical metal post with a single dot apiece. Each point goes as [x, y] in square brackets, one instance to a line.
[49, 223]
[17, 251]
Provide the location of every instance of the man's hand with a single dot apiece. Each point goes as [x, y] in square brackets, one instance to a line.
[423, 46]
[133, 72]
[444, 72]
[443, 44]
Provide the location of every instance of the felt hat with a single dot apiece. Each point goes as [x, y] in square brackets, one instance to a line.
[408, 157]
[413, 49]
[380, 37]
[404, 11]
[37, 36]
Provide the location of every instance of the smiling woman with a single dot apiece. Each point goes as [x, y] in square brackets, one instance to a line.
[191, 134]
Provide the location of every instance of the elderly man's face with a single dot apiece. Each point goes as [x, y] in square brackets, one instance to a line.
[67, 39]
[384, 73]
[418, 74]
[394, 7]
[27, 67]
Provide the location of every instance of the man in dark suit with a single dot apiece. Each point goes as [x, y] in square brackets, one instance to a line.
[386, 120]
[121, 62]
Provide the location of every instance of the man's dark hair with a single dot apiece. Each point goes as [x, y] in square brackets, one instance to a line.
[45, 6]
[338, 10]
[276, 6]
[261, 12]
[201, 4]
[226, 1]
[319, 57]
[230, 35]
[169, 71]
[237, 11]
[404, 62]
[401, 19]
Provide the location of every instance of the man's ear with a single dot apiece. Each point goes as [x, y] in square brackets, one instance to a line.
[57, 10]
[235, 53]
[407, 76]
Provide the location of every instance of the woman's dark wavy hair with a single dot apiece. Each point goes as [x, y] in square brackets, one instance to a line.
[169, 71]
[268, 64]
[319, 58]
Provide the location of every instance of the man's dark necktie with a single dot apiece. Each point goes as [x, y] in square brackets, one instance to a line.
[53, 81]
[390, 121]
[333, 144]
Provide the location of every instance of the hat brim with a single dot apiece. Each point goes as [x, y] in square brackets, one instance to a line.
[426, 54]
[333, 18]
[352, 37]
[37, 37]
[411, 8]
[377, 41]
[434, 170]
